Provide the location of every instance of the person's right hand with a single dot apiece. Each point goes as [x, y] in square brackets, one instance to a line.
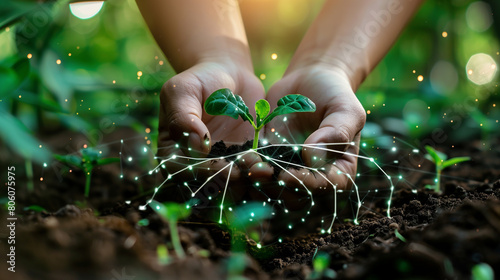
[183, 120]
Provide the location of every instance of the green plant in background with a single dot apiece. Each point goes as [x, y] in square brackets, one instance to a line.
[89, 159]
[482, 271]
[239, 222]
[321, 270]
[224, 102]
[441, 161]
[172, 212]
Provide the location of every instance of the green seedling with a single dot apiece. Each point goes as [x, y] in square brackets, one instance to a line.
[224, 102]
[35, 208]
[88, 160]
[172, 212]
[441, 161]
[240, 221]
[321, 263]
[482, 271]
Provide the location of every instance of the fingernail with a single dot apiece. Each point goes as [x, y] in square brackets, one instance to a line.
[194, 144]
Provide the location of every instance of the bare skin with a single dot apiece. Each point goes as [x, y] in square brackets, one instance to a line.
[207, 46]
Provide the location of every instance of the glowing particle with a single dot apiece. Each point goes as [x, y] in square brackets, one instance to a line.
[259, 246]
[185, 134]
[139, 73]
[274, 56]
[44, 164]
[444, 34]
[262, 76]
[285, 119]
[414, 71]
[368, 112]
[7, 29]
[148, 130]
[58, 61]
[29, 56]
[160, 62]
[393, 149]
[273, 130]
[41, 179]
[420, 78]
[20, 96]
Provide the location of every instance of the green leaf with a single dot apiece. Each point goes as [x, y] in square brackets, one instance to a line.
[453, 161]
[17, 137]
[262, 108]
[224, 102]
[292, 103]
[436, 157]
[35, 208]
[70, 160]
[399, 236]
[170, 211]
[105, 161]
[37, 101]
[482, 271]
[249, 214]
[321, 261]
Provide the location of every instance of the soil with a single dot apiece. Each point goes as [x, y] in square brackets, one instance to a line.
[428, 236]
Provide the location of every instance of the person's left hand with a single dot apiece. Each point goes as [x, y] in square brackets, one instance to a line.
[339, 118]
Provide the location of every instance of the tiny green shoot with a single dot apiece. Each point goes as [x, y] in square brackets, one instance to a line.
[482, 271]
[441, 161]
[224, 102]
[172, 212]
[399, 236]
[89, 159]
[321, 263]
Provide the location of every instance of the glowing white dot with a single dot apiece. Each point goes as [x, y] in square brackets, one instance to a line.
[185, 134]
[129, 158]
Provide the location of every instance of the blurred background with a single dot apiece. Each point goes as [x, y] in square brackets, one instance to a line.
[93, 67]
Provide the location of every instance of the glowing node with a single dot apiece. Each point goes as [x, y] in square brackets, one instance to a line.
[274, 56]
[259, 246]
[142, 207]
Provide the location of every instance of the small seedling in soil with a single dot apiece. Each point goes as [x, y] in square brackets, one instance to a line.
[321, 263]
[240, 221]
[441, 161]
[89, 159]
[482, 271]
[172, 212]
[224, 102]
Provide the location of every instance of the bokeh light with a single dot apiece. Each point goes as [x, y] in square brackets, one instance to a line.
[481, 69]
[479, 16]
[86, 10]
[444, 77]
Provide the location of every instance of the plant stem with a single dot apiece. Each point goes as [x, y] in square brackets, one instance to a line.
[88, 176]
[438, 179]
[256, 139]
[29, 174]
[176, 242]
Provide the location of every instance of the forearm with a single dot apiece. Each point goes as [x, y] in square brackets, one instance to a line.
[353, 36]
[192, 31]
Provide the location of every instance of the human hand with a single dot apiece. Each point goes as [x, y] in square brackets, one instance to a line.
[184, 122]
[339, 118]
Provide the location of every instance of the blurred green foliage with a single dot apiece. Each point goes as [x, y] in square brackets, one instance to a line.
[58, 71]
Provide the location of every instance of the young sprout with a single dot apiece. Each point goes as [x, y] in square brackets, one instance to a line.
[441, 162]
[321, 263]
[224, 102]
[89, 159]
[172, 212]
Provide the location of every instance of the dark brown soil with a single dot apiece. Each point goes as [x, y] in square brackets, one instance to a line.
[446, 234]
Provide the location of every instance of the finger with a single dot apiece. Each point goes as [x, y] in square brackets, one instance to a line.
[334, 136]
[180, 115]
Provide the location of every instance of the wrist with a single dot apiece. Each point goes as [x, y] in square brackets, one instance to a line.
[231, 54]
[314, 59]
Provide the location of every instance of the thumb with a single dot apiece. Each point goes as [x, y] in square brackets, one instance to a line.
[331, 140]
[180, 117]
